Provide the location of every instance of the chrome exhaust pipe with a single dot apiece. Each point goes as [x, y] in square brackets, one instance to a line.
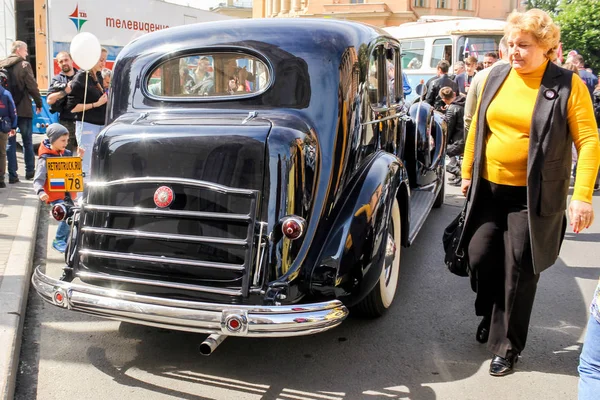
[211, 343]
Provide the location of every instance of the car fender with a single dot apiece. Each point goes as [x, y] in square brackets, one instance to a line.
[351, 259]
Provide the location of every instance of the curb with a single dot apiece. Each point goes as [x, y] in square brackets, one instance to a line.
[13, 296]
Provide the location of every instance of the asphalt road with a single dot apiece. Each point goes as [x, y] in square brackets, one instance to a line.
[423, 349]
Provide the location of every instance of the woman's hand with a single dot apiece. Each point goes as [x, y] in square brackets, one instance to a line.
[464, 187]
[102, 100]
[44, 196]
[581, 215]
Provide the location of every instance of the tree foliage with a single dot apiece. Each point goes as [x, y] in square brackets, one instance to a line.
[579, 21]
[550, 6]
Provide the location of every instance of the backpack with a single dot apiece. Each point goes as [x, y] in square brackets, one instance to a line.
[7, 80]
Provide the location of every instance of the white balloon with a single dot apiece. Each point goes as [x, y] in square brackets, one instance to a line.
[85, 50]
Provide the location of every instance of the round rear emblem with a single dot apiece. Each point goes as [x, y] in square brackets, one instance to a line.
[163, 197]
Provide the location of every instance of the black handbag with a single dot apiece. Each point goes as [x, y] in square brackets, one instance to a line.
[456, 258]
[5, 125]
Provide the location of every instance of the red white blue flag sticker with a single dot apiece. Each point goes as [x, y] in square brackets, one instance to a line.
[57, 183]
[163, 197]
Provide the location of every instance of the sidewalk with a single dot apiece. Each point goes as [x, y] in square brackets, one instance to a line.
[19, 208]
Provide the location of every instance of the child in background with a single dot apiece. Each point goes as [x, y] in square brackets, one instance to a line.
[8, 124]
[54, 146]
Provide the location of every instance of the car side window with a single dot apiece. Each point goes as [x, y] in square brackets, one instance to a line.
[394, 74]
[208, 75]
[378, 78]
[412, 53]
[441, 50]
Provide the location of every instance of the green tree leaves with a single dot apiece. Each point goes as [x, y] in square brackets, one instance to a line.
[579, 21]
[550, 6]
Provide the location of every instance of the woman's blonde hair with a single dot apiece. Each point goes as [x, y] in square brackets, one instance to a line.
[540, 25]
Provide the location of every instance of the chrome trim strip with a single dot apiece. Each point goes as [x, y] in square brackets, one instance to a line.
[259, 254]
[375, 121]
[150, 282]
[164, 236]
[156, 259]
[170, 213]
[263, 321]
[166, 180]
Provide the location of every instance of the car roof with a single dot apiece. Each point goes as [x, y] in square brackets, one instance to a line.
[283, 32]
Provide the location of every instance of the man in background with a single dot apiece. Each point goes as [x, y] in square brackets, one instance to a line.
[436, 85]
[489, 59]
[24, 87]
[57, 97]
[460, 76]
[591, 80]
[456, 133]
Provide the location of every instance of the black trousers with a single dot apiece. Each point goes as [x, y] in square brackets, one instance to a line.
[500, 253]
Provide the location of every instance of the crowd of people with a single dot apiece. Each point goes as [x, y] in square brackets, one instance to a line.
[81, 115]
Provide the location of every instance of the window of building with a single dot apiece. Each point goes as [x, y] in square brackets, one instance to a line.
[209, 75]
[357, 1]
[441, 50]
[464, 4]
[443, 3]
[419, 3]
[412, 54]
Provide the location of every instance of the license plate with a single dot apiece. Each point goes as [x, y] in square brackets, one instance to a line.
[64, 174]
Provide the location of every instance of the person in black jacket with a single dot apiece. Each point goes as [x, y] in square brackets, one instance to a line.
[23, 89]
[57, 96]
[455, 112]
[443, 80]
[89, 110]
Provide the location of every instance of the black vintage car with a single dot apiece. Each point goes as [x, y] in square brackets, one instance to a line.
[255, 178]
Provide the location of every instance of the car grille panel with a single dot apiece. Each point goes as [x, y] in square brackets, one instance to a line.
[205, 240]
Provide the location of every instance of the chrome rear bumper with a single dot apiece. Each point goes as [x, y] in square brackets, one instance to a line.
[254, 321]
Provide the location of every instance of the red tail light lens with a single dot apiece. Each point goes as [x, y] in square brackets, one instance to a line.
[292, 227]
[59, 212]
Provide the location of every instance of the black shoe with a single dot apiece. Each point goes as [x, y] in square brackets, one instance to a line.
[483, 330]
[29, 176]
[2, 185]
[456, 182]
[503, 366]
[15, 180]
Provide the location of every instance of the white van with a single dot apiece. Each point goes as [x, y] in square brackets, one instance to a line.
[434, 38]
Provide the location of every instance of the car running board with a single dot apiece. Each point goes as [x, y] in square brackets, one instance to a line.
[421, 202]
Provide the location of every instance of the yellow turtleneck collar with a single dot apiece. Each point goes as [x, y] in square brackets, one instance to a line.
[536, 73]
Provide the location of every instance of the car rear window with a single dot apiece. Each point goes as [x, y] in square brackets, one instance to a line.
[209, 75]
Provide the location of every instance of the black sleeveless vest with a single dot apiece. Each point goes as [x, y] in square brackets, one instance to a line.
[548, 163]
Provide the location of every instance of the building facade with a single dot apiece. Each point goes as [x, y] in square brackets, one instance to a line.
[234, 8]
[380, 12]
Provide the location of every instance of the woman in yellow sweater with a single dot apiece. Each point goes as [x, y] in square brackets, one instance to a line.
[517, 164]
